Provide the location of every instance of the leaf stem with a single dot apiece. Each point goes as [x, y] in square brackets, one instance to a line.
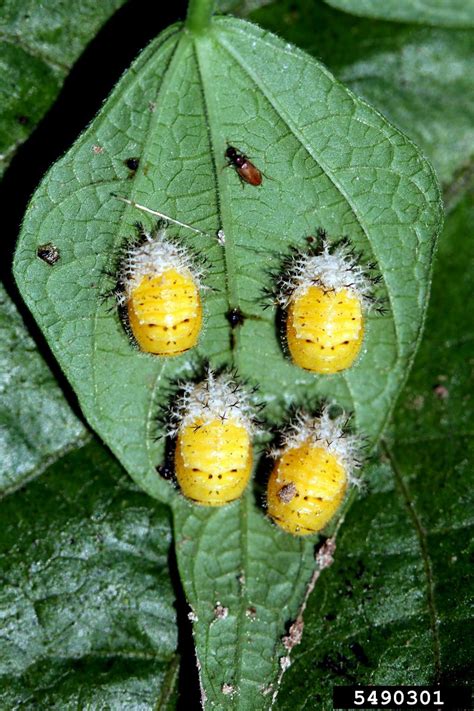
[199, 15]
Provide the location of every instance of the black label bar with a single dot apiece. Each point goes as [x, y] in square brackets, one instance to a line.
[441, 698]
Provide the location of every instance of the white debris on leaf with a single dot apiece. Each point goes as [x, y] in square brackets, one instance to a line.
[220, 611]
[228, 689]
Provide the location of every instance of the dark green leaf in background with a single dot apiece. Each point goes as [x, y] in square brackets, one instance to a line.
[330, 161]
[36, 423]
[39, 43]
[396, 607]
[240, 8]
[86, 603]
[420, 78]
[449, 13]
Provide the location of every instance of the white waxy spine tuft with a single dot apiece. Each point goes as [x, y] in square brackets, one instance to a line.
[332, 269]
[328, 433]
[217, 397]
[153, 254]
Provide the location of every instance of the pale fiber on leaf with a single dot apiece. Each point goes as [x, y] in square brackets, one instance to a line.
[330, 161]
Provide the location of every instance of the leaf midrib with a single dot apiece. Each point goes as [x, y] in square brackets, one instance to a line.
[231, 272]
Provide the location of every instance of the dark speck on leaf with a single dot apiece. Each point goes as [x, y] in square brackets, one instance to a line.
[359, 653]
[235, 317]
[132, 163]
[48, 253]
[441, 392]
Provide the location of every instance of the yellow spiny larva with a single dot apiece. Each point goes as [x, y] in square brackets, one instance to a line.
[325, 329]
[325, 296]
[158, 290]
[311, 474]
[213, 427]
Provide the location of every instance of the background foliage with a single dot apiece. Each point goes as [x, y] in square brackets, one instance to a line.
[83, 538]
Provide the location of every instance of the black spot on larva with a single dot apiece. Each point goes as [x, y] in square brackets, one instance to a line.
[23, 120]
[48, 253]
[235, 317]
[132, 163]
[166, 470]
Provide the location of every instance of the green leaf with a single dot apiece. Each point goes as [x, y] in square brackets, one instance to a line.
[395, 607]
[329, 160]
[86, 602]
[243, 580]
[36, 423]
[448, 13]
[39, 43]
[420, 78]
[373, 186]
[240, 8]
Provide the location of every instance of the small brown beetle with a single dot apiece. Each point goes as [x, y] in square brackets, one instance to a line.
[246, 170]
